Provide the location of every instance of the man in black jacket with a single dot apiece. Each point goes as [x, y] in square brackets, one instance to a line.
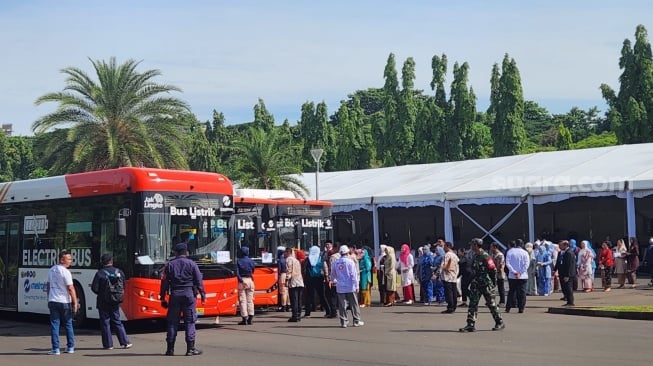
[109, 310]
[566, 267]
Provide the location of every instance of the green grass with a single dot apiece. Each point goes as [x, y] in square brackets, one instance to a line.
[626, 308]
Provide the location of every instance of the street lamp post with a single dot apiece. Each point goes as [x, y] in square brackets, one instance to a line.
[317, 154]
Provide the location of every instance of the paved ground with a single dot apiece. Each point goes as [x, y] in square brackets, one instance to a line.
[398, 335]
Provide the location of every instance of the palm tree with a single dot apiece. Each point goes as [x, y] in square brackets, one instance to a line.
[120, 120]
[265, 160]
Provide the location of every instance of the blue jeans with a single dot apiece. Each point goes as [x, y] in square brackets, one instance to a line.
[60, 312]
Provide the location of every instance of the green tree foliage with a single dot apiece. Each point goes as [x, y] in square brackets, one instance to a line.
[537, 120]
[6, 174]
[21, 157]
[439, 111]
[507, 106]
[604, 139]
[262, 117]
[391, 115]
[564, 140]
[631, 109]
[262, 160]
[121, 119]
[402, 130]
[463, 114]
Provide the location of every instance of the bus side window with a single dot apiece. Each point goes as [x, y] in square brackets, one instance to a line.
[121, 228]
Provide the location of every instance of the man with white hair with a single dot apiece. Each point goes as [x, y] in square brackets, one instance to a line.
[344, 275]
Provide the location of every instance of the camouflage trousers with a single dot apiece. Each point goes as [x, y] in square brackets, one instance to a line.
[475, 293]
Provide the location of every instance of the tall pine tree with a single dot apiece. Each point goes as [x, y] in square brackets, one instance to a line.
[507, 105]
[631, 110]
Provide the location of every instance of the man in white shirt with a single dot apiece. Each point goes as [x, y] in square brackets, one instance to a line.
[449, 273]
[517, 262]
[62, 302]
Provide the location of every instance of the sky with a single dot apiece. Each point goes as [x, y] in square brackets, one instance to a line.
[224, 55]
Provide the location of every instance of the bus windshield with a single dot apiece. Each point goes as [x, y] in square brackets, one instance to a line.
[159, 232]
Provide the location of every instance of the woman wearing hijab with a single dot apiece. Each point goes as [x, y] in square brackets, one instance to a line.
[314, 280]
[619, 257]
[606, 263]
[632, 261]
[380, 274]
[585, 259]
[389, 276]
[365, 268]
[544, 260]
[405, 265]
[531, 283]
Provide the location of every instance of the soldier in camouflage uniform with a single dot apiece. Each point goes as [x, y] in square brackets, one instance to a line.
[482, 284]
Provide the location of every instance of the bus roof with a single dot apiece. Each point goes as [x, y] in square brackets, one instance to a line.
[112, 181]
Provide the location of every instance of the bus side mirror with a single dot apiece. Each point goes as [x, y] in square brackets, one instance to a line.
[121, 227]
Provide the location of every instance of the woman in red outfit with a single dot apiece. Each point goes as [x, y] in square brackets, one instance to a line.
[606, 262]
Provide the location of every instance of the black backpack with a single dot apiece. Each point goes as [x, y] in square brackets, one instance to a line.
[114, 291]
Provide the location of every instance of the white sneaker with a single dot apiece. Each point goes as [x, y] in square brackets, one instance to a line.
[54, 352]
[359, 324]
[343, 325]
[409, 302]
[69, 350]
[127, 346]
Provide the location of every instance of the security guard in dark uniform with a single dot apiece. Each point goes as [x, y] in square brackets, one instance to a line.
[482, 284]
[180, 280]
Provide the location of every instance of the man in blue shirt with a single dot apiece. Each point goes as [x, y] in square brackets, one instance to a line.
[344, 275]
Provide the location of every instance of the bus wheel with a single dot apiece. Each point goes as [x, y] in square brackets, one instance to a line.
[79, 318]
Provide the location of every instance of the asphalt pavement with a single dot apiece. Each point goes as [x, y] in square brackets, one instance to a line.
[398, 335]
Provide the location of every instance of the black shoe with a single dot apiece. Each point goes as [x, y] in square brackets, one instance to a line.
[293, 320]
[568, 304]
[507, 310]
[499, 326]
[170, 353]
[521, 311]
[463, 305]
[243, 322]
[446, 312]
[468, 328]
[563, 298]
[306, 315]
[249, 319]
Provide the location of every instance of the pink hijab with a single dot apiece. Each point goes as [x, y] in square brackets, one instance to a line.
[405, 252]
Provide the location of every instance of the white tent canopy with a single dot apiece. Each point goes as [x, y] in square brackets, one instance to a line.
[556, 175]
[625, 171]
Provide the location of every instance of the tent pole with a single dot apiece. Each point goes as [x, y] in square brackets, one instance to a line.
[487, 233]
[630, 214]
[531, 219]
[375, 226]
[448, 227]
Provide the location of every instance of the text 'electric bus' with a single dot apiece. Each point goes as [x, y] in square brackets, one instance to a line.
[137, 214]
[267, 219]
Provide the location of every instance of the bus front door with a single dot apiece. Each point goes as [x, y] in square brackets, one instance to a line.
[9, 262]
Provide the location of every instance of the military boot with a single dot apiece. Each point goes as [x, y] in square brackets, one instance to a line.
[468, 328]
[249, 319]
[171, 349]
[243, 322]
[191, 350]
[499, 325]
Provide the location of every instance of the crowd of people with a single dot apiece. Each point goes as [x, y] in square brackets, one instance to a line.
[450, 277]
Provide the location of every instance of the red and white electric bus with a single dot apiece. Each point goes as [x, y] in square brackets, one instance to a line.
[266, 219]
[137, 214]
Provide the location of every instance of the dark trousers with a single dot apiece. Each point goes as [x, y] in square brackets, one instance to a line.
[110, 319]
[568, 289]
[181, 303]
[464, 287]
[501, 289]
[296, 301]
[313, 285]
[516, 293]
[450, 295]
